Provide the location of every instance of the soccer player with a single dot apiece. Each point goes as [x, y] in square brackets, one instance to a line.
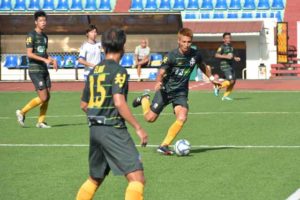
[142, 57]
[226, 54]
[90, 51]
[37, 44]
[104, 101]
[172, 86]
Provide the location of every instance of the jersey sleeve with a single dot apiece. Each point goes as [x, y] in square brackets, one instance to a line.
[120, 82]
[136, 51]
[82, 52]
[199, 58]
[167, 61]
[85, 97]
[29, 41]
[220, 50]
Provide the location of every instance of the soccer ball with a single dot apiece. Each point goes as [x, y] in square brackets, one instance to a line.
[182, 147]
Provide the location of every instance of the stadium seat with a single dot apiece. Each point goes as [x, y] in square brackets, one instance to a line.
[156, 60]
[278, 16]
[232, 15]
[127, 60]
[207, 5]
[90, 5]
[5, 5]
[137, 5]
[59, 60]
[11, 61]
[218, 15]
[249, 5]
[104, 5]
[76, 5]
[235, 5]
[278, 5]
[178, 5]
[260, 15]
[263, 5]
[34, 5]
[23, 62]
[205, 16]
[247, 15]
[48, 5]
[165, 5]
[221, 5]
[151, 5]
[190, 16]
[63, 5]
[193, 5]
[20, 5]
[69, 61]
[152, 76]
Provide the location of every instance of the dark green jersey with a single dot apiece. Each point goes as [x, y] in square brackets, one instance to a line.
[178, 70]
[105, 80]
[225, 49]
[39, 44]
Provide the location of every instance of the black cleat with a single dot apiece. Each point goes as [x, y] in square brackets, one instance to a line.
[138, 101]
[165, 150]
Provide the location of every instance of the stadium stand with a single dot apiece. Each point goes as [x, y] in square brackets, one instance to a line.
[34, 5]
[235, 5]
[11, 61]
[127, 60]
[90, 5]
[48, 5]
[193, 5]
[63, 5]
[151, 5]
[5, 5]
[165, 5]
[76, 5]
[249, 5]
[178, 5]
[221, 5]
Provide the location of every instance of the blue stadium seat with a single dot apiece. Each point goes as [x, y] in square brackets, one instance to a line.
[20, 5]
[152, 76]
[205, 16]
[207, 5]
[278, 5]
[193, 5]
[23, 62]
[48, 5]
[190, 16]
[127, 60]
[63, 5]
[278, 15]
[165, 5]
[249, 5]
[69, 61]
[260, 15]
[221, 5]
[247, 15]
[59, 60]
[104, 5]
[263, 5]
[137, 5]
[151, 5]
[90, 5]
[156, 60]
[178, 5]
[34, 5]
[235, 5]
[5, 5]
[76, 5]
[232, 15]
[219, 15]
[11, 61]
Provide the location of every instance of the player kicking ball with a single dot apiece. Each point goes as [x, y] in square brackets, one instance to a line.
[172, 86]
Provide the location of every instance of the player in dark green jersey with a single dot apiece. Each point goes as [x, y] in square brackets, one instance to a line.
[36, 45]
[226, 55]
[104, 101]
[172, 86]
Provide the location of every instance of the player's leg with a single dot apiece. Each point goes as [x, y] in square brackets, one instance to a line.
[135, 188]
[88, 189]
[139, 71]
[230, 76]
[45, 97]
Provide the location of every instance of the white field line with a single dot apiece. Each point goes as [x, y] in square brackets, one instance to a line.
[295, 195]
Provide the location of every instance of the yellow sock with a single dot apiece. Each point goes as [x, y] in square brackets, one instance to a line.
[228, 90]
[31, 104]
[172, 132]
[87, 191]
[145, 105]
[43, 110]
[134, 191]
[225, 84]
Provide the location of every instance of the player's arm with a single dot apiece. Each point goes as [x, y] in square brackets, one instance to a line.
[159, 79]
[220, 55]
[84, 62]
[31, 55]
[85, 97]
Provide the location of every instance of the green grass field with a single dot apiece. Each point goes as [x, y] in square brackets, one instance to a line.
[268, 170]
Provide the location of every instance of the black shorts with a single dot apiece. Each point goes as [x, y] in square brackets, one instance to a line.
[112, 149]
[40, 80]
[162, 99]
[228, 74]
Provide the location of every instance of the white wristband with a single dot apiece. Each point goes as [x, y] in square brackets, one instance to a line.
[211, 78]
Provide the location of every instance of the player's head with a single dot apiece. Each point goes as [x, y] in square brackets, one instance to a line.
[91, 32]
[40, 19]
[144, 43]
[185, 37]
[227, 37]
[113, 40]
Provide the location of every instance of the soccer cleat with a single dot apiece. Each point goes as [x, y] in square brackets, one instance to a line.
[138, 101]
[216, 90]
[165, 150]
[226, 99]
[42, 125]
[20, 118]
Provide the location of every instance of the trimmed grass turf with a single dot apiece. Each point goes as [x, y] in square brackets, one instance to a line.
[208, 173]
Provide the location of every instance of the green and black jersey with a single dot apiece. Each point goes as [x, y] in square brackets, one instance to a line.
[178, 70]
[39, 44]
[225, 49]
[105, 80]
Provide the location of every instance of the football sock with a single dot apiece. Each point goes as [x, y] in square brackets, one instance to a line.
[225, 84]
[43, 110]
[228, 90]
[87, 190]
[134, 191]
[172, 132]
[145, 105]
[31, 104]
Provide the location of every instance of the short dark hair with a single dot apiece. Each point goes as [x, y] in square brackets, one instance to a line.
[225, 34]
[90, 28]
[39, 13]
[113, 40]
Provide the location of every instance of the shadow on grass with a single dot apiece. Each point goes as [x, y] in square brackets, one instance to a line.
[71, 124]
[241, 98]
[202, 150]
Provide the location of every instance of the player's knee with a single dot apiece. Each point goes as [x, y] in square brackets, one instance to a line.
[45, 99]
[150, 119]
[232, 82]
[182, 118]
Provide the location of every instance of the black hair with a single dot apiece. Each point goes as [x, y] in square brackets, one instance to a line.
[113, 40]
[39, 13]
[90, 28]
[225, 34]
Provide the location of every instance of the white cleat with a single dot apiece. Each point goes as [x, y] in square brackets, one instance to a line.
[226, 99]
[20, 118]
[42, 125]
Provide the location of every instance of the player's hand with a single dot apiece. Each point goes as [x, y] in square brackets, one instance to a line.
[157, 86]
[54, 63]
[143, 136]
[229, 56]
[237, 59]
[216, 82]
[48, 61]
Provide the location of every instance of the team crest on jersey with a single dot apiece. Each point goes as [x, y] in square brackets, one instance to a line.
[192, 62]
[165, 60]
[41, 83]
[120, 79]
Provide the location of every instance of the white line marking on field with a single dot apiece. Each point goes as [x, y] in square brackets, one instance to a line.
[295, 195]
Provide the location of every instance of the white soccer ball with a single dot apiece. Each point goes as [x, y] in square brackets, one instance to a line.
[182, 147]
